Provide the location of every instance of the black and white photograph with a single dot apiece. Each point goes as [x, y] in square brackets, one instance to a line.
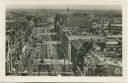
[63, 40]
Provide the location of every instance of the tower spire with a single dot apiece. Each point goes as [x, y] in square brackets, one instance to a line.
[67, 9]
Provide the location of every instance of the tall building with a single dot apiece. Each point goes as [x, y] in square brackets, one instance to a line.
[68, 38]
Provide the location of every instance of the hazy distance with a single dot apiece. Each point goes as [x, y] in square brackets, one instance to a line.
[86, 7]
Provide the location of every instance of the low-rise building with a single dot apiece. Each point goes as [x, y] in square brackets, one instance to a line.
[114, 46]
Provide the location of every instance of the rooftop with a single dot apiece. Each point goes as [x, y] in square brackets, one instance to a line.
[77, 43]
[73, 22]
[114, 36]
[111, 41]
[116, 25]
[97, 38]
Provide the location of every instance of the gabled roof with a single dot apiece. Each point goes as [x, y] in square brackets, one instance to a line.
[77, 43]
[68, 34]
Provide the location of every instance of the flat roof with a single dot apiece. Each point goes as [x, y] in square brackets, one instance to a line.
[118, 25]
[88, 37]
[119, 36]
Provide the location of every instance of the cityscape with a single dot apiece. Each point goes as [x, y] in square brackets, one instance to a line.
[63, 42]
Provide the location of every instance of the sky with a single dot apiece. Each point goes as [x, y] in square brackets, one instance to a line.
[87, 6]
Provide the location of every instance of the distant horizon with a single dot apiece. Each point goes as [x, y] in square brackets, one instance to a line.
[81, 7]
